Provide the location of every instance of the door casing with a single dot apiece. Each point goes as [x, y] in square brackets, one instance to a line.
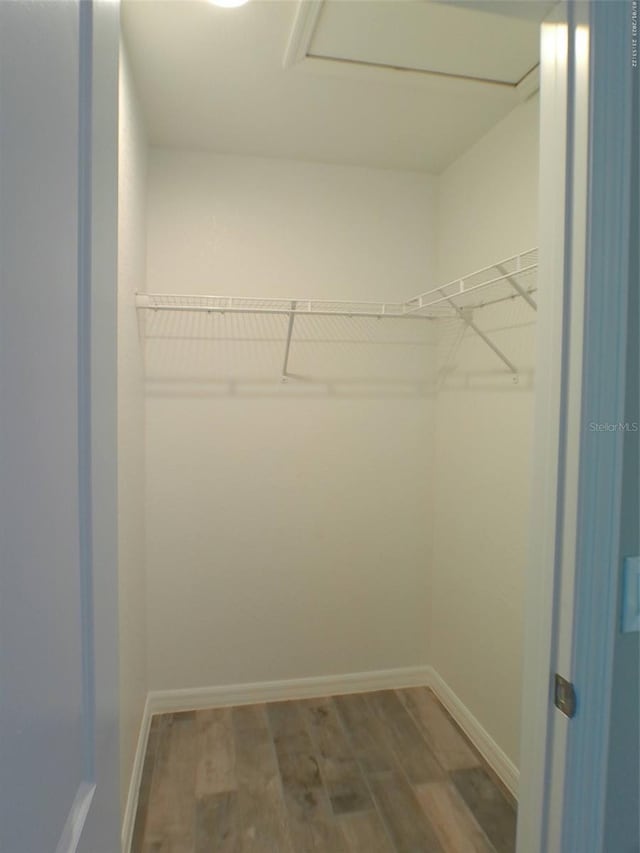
[571, 600]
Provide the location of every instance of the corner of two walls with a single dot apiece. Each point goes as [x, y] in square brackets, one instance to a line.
[287, 523]
[308, 529]
[487, 211]
[131, 475]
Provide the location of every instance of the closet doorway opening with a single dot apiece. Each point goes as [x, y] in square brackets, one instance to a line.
[328, 299]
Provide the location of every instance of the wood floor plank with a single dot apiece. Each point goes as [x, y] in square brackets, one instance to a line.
[348, 774]
[454, 824]
[248, 717]
[183, 716]
[167, 846]
[312, 827]
[261, 813]
[365, 734]
[311, 824]
[171, 813]
[406, 823]
[216, 824]
[294, 749]
[160, 785]
[404, 737]
[365, 833]
[489, 806]
[215, 773]
[317, 836]
[339, 769]
[144, 793]
[446, 742]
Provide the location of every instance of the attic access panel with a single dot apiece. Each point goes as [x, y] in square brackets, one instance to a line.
[432, 37]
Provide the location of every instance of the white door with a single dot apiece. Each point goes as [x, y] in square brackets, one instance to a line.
[58, 593]
[586, 242]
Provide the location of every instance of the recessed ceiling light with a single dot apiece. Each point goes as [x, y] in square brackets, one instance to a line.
[229, 4]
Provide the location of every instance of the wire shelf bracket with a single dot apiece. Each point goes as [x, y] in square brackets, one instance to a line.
[292, 318]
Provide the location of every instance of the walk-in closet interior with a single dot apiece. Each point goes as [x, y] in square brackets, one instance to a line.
[327, 311]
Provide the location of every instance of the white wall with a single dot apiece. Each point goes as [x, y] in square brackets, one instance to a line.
[288, 525]
[131, 455]
[487, 210]
[290, 528]
[487, 199]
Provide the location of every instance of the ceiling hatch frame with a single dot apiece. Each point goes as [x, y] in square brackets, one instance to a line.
[298, 56]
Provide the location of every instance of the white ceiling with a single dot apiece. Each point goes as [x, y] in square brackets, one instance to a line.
[213, 78]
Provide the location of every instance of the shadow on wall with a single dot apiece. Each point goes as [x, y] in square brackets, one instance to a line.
[304, 389]
[200, 355]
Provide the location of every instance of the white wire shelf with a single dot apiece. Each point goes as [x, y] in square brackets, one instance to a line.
[512, 278]
[252, 305]
[461, 293]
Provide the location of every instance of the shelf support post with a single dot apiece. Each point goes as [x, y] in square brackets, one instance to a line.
[285, 364]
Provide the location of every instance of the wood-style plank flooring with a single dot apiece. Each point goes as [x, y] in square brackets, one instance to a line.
[384, 772]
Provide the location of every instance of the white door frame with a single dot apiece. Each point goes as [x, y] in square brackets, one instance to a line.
[573, 576]
[100, 42]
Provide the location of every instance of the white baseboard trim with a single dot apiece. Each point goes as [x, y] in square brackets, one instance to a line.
[131, 806]
[495, 757]
[165, 701]
[190, 699]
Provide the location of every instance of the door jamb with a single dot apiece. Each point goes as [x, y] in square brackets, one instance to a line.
[573, 574]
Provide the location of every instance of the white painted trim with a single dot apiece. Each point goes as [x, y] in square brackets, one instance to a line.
[131, 806]
[102, 829]
[495, 757]
[304, 25]
[577, 117]
[543, 568]
[164, 701]
[571, 595]
[167, 701]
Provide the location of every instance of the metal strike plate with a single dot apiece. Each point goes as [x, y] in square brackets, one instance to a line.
[565, 696]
